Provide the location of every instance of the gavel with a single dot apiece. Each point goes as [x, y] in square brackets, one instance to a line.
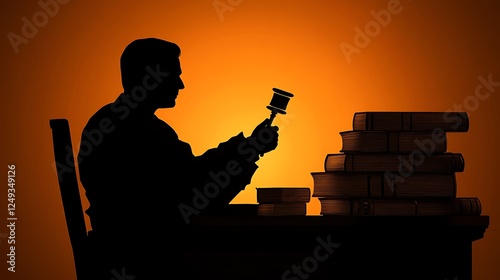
[278, 103]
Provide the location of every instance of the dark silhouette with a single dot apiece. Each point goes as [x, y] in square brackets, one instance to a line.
[143, 183]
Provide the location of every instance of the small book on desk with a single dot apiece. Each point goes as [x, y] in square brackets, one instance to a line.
[283, 194]
[282, 209]
[283, 201]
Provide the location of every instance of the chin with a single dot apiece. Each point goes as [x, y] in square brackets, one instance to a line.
[170, 104]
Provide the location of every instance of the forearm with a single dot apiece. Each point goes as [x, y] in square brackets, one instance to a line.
[226, 170]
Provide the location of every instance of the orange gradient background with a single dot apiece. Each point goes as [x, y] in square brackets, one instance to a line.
[428, 58]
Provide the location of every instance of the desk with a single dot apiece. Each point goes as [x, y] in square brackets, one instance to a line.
[334, 247]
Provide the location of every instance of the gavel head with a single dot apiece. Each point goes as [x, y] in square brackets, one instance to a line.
[279, 101]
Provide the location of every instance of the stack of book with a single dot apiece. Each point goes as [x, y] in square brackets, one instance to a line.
[282, 201]
[395, 163]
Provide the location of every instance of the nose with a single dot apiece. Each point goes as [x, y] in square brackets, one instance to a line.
[180, 83]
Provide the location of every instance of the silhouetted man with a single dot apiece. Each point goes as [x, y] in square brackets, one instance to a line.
[145, 185]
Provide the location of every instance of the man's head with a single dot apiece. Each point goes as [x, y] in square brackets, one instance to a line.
[150, 70]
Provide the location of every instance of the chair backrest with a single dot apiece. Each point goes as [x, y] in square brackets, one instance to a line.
[68, 185]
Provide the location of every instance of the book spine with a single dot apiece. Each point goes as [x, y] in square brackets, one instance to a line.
[368, 121]
[406, 121]
[282, 209]
[382, 162]
[283, 195]
[392, 142]
[465, 206]
[411, 121]
[359, 121]
[366, 184]
[458, 162]
[349, 162]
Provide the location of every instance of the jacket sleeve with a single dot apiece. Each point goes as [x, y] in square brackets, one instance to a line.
[226, 170]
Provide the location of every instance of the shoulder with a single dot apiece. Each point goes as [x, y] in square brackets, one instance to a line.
[104, 118]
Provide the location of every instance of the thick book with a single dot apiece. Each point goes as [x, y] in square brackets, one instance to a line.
[283, 194]
[282, 209]
[343, 184]
[411, 121]
[395, 162]
[466, 206]
[422, 143]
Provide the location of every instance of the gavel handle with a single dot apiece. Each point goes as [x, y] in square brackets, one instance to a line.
[271, 118]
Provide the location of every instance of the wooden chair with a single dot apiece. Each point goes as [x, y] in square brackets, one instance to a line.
[72, 204]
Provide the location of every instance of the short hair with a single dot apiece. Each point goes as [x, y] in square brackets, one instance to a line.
[143, 52]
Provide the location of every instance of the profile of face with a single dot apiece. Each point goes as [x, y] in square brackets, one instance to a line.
[151, 72]
[165, 93]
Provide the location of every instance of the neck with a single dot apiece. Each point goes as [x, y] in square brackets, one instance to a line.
[143, 107]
